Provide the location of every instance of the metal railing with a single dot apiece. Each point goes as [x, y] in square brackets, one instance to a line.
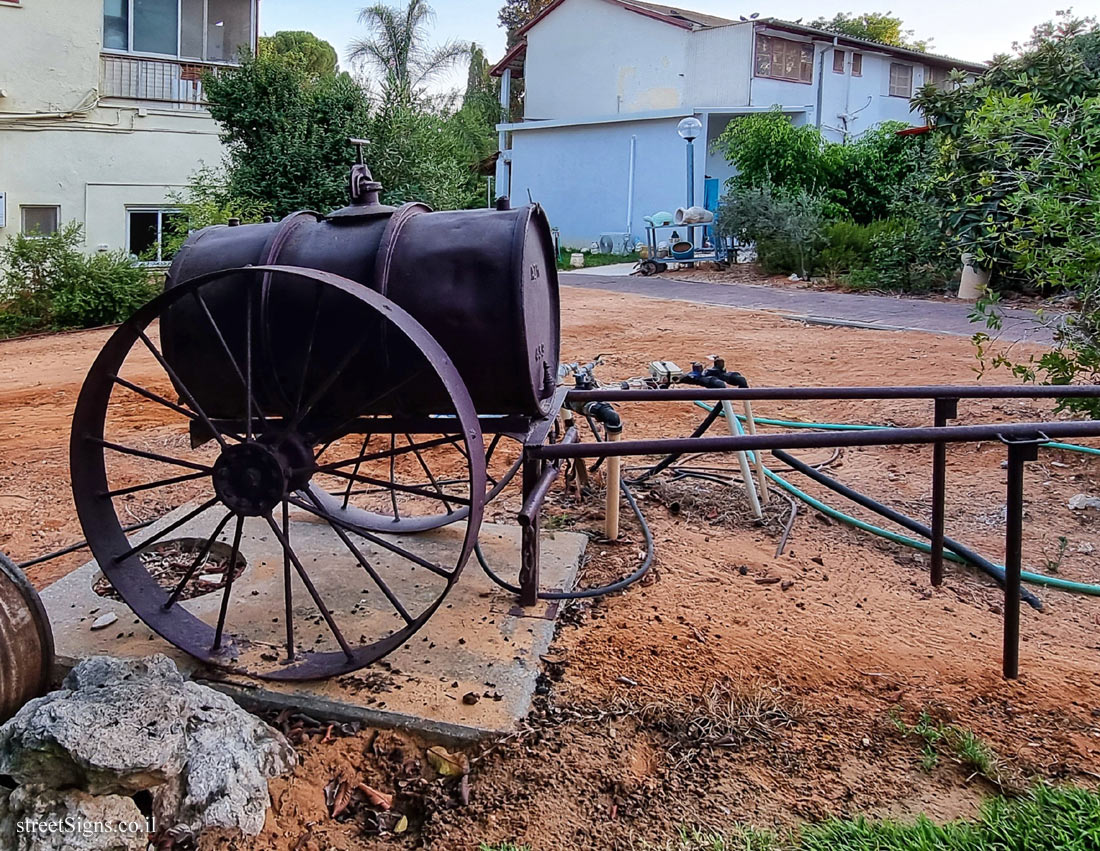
[175, 84]
[1021, 442]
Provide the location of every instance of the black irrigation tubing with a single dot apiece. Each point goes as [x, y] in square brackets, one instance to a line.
[915, 526]
[588, 593]
[668, 460]
[79, 545]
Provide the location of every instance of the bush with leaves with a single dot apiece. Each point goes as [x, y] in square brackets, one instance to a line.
[49, 283]
[286, 131]
[990, 130]
[788, 228]
[859, 180]
[206, 201]
[768, 150]
[1020, 185]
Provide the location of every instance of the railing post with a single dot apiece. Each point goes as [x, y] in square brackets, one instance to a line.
[946, 409]
[1019, 453]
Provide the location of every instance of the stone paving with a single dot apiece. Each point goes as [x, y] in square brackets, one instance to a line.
[832, 308]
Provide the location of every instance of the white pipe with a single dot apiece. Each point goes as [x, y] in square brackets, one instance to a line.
[743, 462]
[761, 474]
[611, 511]
[89, 102]
[630, 186]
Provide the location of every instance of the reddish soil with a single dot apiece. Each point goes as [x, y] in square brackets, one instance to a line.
[803, 674]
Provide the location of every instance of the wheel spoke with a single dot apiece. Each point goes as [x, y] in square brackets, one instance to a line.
[199, 559]
[393, 486]
[325, 385]
[374, 539]
[234, 555]
[160, 483]
[351, 482]
[229, 354]
[248, 362]
[366, 565]
[428, 473]
[288, 591]
[309, 350]
[187, 518]
[301, 571]
[152, 456]
[374, 456]
[154, 397]
[184, 391]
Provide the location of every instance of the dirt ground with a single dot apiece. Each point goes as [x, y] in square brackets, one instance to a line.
[731, 685]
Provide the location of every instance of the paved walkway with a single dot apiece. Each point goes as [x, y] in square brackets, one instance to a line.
[828, 308]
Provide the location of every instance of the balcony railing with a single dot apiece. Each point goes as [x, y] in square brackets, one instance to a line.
[173, 84]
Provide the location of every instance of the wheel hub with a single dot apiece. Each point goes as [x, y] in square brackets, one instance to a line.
[250, 478]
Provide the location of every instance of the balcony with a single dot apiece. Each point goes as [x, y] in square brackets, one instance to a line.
[163, 83]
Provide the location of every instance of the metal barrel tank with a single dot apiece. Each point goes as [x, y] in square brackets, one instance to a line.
[483, 283]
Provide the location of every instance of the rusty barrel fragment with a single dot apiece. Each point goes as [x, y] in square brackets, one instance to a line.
[26, 641]
[483, 283]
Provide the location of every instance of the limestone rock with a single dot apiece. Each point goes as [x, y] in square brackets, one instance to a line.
[37, 819]
[1082, 501]
[118, 726]
[113, 728]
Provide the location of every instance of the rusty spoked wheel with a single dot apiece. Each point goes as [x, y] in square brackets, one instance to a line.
[178, 419]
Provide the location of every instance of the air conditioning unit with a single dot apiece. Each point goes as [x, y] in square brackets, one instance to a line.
[616, 243]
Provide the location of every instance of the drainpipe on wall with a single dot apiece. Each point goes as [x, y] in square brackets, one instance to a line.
[630, 187]
[503, 160]
[821, 82]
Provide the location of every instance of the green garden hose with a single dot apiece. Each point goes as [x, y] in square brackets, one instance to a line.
[922, 546]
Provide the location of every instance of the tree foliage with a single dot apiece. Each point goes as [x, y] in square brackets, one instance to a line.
[872, 26]
[861, 180]
[286, 131]
[514, 14]
[318, 56]
[396, 47]
[1019, 184]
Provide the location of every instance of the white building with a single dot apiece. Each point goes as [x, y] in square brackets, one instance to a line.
[101, 110]
[607, 81]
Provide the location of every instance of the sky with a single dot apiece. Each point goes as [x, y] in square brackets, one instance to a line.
[965, 29]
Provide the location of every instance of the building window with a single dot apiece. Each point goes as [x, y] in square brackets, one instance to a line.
[838, 61]
[938, 78]
[901, 80]
[206, 30]
[783, 59]
[857, 64]
[40, 221]
[146, 232]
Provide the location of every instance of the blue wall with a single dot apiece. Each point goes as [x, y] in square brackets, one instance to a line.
[580, 174]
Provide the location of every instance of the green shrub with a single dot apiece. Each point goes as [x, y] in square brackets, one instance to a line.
[849, 246]
[860, 180]
[906, 255]
[49, 283]
[787, 227]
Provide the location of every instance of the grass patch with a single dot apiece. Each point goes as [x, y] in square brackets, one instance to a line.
[958, 744]
[1048, 818]
[592, 260]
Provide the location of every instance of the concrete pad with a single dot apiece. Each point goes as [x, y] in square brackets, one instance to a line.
[477, 641]
[613, 270]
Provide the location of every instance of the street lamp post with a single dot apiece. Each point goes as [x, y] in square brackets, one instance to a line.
[689, 128]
